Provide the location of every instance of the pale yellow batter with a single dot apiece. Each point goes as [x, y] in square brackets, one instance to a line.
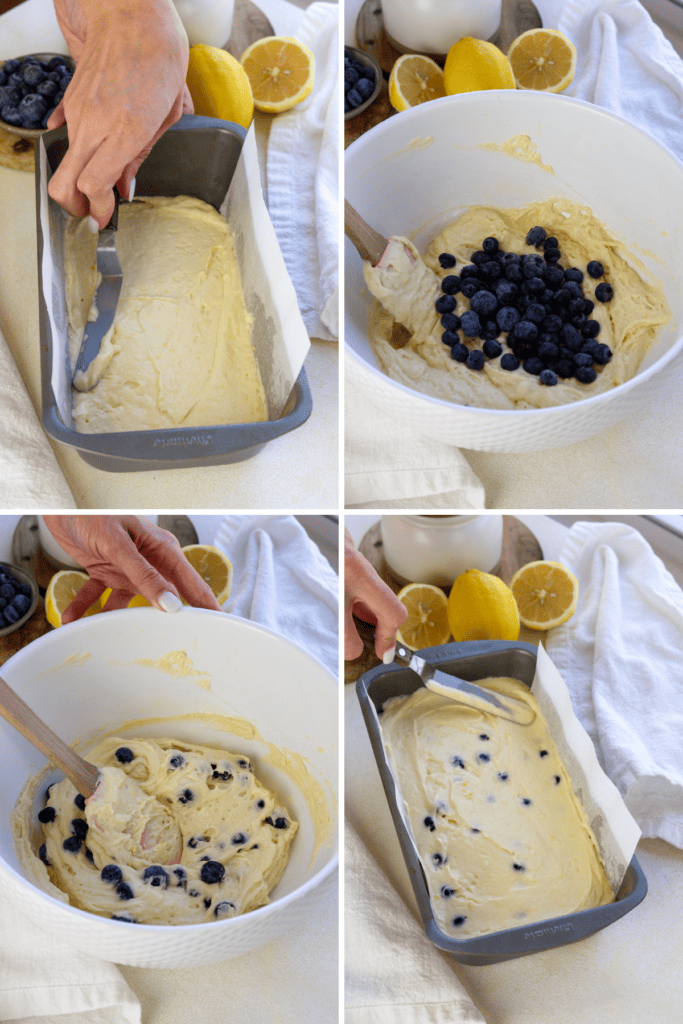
[179, 353]
[234, 835]
[501, 835]
[406, 292]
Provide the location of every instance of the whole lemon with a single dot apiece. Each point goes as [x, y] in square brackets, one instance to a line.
[473, 64]
[482, 607]
[219, 85]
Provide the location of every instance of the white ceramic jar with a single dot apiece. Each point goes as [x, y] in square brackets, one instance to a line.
[432, 26]
[438, 549]
[206, 21]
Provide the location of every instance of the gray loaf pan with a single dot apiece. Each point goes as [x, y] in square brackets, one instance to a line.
[195, 157]
[476, 660]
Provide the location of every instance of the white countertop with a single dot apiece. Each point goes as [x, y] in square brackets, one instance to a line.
[298, 470]
[629, 971]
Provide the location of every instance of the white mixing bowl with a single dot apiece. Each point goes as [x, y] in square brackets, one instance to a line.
[254, 674]
[416, 172]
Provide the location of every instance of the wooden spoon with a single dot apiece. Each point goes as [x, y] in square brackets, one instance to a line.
[20, 716]
[369, 243]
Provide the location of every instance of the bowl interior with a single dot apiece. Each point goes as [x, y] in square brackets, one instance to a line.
[95, 675]
[415, 173]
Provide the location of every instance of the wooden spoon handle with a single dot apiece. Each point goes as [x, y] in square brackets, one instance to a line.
[20, 716]
[369, 243]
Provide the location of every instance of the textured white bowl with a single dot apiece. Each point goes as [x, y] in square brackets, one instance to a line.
[255, 674]
[416, 172]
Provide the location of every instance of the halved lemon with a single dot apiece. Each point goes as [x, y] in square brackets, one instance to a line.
[219, 85]
[474, 64]
[61, 591]
[414, 79]
[546, 594]
[542, 59]
[213, 567]
[482, 607]
[427, 622]
[281, 72]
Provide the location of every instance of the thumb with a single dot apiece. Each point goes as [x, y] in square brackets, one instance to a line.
[57, 117]
[385, 642]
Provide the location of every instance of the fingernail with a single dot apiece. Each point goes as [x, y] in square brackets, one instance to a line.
[388, 656]
[168, 602]
[93, 225]
[131, 191]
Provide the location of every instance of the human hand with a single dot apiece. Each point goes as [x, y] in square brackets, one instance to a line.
[368, 597]
[128, 88]
[132, 556]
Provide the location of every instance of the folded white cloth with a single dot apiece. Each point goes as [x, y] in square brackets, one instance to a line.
[392, 973]
[303, 179]
[620, 655]
[388, 466]
[30, 474]
[282, 581]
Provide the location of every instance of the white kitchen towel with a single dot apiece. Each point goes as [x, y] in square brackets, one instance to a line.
[624, 63]
[620, 655]
[392, 974]
[389, 466]
[30, 476]
[283, 581]
[303, 179]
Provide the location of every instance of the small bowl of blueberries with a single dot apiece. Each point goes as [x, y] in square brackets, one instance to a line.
[362, 81]
[18, 597]
[30, 89]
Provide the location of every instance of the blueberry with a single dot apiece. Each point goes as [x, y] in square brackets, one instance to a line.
[535, 286]
[595, 268]
[351, 75]
[535, 312]
[489, 331]
[582, 359]
[533, 365]
[484, 303]
[156, 876]
[365, 87]
[588, 306]
[447, 892]
[536, 236]
[591, 347]
[603, 354]
[565, 368]
[447, 260]
[239, 839]
[72, 844]
[354, 98]
[260, 804]
[11, 614]
[181, 877]
[511, 257]
[112, 874]
[548, 352]
[79, 800]
[450, 284]
[574, 289]
[480, 257]
[32, 107]
[543, 753]
[176, 761]
[558, 780]
[32, 74]
[525, 330]
[450, 338]
[124, 755]
[506, 291]
[575, 308]
[507, 318]
[484, 757]
[47, 814]
[470, 323]
[585, 374]
[547, 377]
[194, 841]
[460, 919]
[56, 62]
[492, 349]
[128, 918]
[42, 853]
[457, 761]
[124, 891]
[571, 338]
[518, 867]
[551, 242]
[3, 77]
[445, 304]
[224, 776]
[89, 855]
[437, 859]
[469, 270]
[490, 270]
[9, 96]
[470, 287]
[450, 322]
[459, 352]
[7, 591]
[526, 801]
[280, 823]
[79, 827]
[553, 276]
[186, 796]
[429, 823]
[590, 329]
[212, 872]
[223, 909]
[513, 273]
[604, 292]
[551, 255]
[503, 776]
[509, 361]
[490, 244]
[476, 360]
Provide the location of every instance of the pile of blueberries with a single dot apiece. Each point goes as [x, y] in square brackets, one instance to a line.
[359, 82]
[30, 89]
[539, 305]
[15, 599]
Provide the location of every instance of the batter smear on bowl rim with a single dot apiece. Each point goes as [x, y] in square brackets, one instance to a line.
[503, 839]
[515, 309]
[227, 848]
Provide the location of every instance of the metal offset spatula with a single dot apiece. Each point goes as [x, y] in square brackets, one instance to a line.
[462, 691]
[106, 300]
